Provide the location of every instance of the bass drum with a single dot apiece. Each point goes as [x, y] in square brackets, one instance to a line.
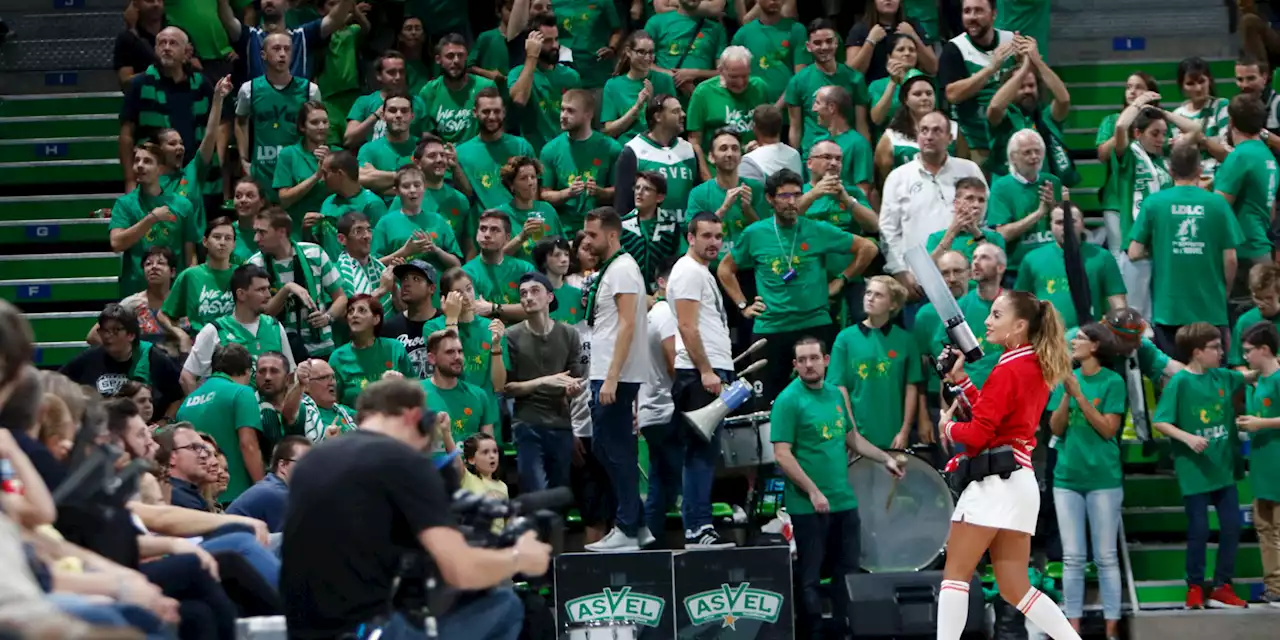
[904, 522]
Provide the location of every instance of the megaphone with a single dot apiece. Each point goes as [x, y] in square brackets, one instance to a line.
[705, 420]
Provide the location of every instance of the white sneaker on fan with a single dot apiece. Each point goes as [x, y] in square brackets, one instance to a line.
[616, 540]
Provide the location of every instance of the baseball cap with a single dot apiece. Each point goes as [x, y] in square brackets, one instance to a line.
[422, 266]
[538, 277]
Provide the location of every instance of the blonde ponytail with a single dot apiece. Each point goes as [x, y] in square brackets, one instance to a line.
[1049, 341]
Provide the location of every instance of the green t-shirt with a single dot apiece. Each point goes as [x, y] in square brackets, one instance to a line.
[965, 243]
[340, 72]
[677, 36]
[221, 407]
[1132, 180]
[368, 104]
[451, 114]
[131, 208]
[1235, 354]
[972, 113]
[1151, 360]
[1250, 174]
[440, 16]
[396, 228]
[199, 19]
[293, 167]
[1106, 193]
[482, 164]
[803, 88]
[1028, 17]
[925, 14]
[713, 107]
[497, 283]
[975, 311]
[565, 160]
[451, 205]
[192, 183]
[245, 246]
[1186, 229]
[386, 155]
[923, 331]
[876, 366]
[709, 196]
[356, 369]
[550, 224]
[358, 278]
[620, 94]
[814, 423]
[540, 118]
[1086, 461]
[1015, 120]
[1201, 404]
[1012, 199]
[569, 306]
[1044, 273]
[585, 27]
[476, 346]
[200, 294]
[273, 122]
[774, 51]
[874, 91]
[326, 232]
[469, 407]
[858, 164]
[835, 213]
[490, 52]
[678, 164]
[800, 302]
[416, 75]
[1264, 444]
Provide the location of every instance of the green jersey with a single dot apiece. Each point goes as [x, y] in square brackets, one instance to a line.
[550, 224]
[221, 407]
[1264, 444]
[128, 210]
[565, 161]
[1086, 460]
[925, 14]
[649, 241]
[245, 246]
[340, 73]
[790, 267]
[678, 37]
[356, 368]
[469, 407]
[774, 51]
[1201, 405]
[1186, 230]
[267, 339]
[315, 421]
[1235, 354]
[714, 107]
[357, 278]
[201, 294]
[1106, 193]
[1044, 273]
[1250, 175]
[677, 163]
[416, 75]
[814, 422]
[490, 52]
[858, 162]
[1135, 176]
[875, 365]
[385, 155]
[1027, 17]
[965, 242]
[540, 118]
[451, 114]
[962, 58]
[440, 16]
[620, 94]
[482, 164]
[802, 90]
[326, 231]
[586, 26]
[569, 305]
[273, 122]
[368, 104]
[923, 332]
[293, 167]
[192, 183]
[709, 197]
[396, 228]
[310, 268]
[975, 311]
[498, 283]
[836, 213]
[1012, 199]
[200, 21]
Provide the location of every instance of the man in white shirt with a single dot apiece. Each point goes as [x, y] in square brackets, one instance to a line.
[769, 153]
[704, 364]
[656, 415]
[918, 197]
[247, 325]
[619, 364]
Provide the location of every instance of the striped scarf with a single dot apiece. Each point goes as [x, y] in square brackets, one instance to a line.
[362, 278]
[315, 424]
[153, 103]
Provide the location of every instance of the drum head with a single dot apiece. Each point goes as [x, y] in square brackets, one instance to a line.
[904, 522]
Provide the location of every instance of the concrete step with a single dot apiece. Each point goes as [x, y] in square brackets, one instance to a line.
[83, 230]
[60, 82]
[90, 290]
[66, 104]
[48, 149]
[61, 327]
[1172, 595]
[81, 126]
[54, 207]
[1092, 173]
[1161, 562]
[51, 355]
[60, 172]
[59, 265]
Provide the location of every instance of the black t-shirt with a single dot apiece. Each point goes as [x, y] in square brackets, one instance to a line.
[181, 99]
[356, 506]
[50, 470]
[134, 49]
[106, 374]
[880, 55]
[409, 333]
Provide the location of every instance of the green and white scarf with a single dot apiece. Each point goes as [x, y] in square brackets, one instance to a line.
[315, 423]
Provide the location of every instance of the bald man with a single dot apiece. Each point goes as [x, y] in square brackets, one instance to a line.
[321, 415]
[168, 95]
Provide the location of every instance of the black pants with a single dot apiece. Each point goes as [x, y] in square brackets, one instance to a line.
[781, 352]
[1165, 335]
[825, 540]
[207, 612]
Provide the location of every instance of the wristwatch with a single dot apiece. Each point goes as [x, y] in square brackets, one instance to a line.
[742, 305]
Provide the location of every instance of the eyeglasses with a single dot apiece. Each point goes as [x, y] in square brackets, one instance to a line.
[115, 330]
[197, 448]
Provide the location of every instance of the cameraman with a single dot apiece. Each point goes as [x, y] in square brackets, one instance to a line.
[360, 503]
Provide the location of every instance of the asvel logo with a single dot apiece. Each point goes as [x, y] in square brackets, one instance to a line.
[623, 606]
[730, 605]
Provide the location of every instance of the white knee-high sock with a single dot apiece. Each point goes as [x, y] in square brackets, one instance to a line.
[1044, 613]
[953, 609]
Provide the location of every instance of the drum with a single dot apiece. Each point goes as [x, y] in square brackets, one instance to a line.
[603, 631]
[745, 441]
[904, 522]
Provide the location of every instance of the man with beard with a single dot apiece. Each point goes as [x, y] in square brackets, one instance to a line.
[647, 235]
[450, 97]
[494, 274]
[202, 293]
[380, 159]
[278, 394]
[267, 110]
[417, 290]
[989, 262]
[225, 407]
[302, 280]
[320, 415]
[367, 119]
[802, 92]
[725, 101]
[470, 408]
[972, 67]
[926, 188]
[789, 255]
[358, 271]
[482, 157]
[736, 201]
[1253, 77]
[578, 164]
[123, 356]
[661, 150]
[686, 43]
[1021, 200]
[1016, 106]
[829, 198]
[537, 85]
[954, 267]
[831, 104]
[168, 95]
[247, 325]
[308, 39]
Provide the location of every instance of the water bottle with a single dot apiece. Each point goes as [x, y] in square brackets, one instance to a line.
[9, 482]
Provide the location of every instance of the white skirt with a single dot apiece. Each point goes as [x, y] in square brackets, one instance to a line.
[994, 502]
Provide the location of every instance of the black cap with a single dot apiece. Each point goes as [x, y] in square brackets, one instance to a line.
[538, 277]
[420, 266]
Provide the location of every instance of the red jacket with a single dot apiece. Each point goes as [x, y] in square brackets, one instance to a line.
[1007, 410]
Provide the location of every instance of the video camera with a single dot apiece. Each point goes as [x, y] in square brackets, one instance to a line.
[478, 517]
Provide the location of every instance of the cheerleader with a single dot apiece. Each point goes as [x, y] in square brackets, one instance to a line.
[998, 512]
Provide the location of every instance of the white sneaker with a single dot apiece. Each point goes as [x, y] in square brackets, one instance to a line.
[645, 537]
[615, 541]
[706, 538]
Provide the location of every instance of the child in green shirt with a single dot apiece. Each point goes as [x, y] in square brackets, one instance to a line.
[1261, 344]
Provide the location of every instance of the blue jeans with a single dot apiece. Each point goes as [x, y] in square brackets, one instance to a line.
[498, 615]
[613, 442]
[1102, 507]
[246, 545]
[543, 456]
[117, 614]
[699, 455]
[1226, 501]
[666, 466]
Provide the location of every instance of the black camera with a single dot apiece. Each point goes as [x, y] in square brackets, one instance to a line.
[479, 517]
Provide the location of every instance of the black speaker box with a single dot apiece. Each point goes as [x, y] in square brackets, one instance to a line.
[904, 605]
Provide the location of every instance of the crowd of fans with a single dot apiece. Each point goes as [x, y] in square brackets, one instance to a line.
[288, 239]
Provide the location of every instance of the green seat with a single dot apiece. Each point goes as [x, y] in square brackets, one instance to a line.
[52, 149]
[62, 327]
[29, 231]
[94, 290]
[45, 126]
[59, 265]
[73, 206]
[60, 172]
[61, 104]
